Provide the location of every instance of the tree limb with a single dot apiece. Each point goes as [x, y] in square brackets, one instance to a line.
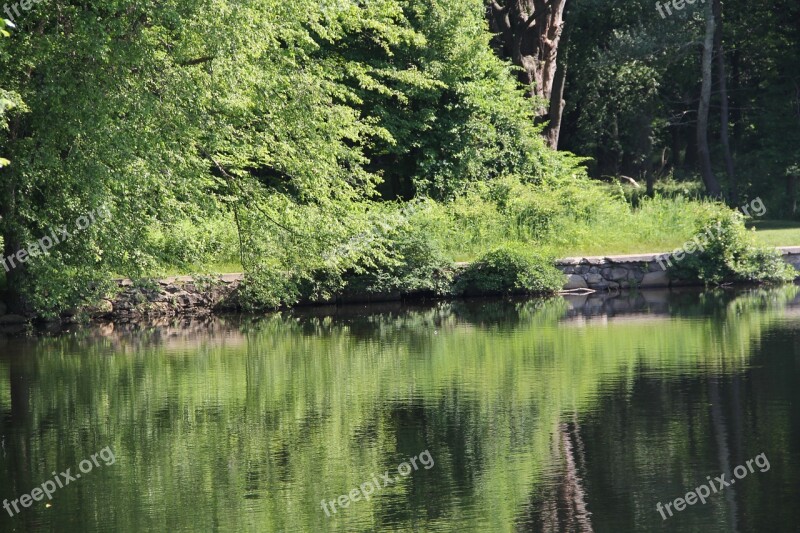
[196, 61]
[232, 180]
[497, 7]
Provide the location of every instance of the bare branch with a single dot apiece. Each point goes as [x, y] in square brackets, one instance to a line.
[497, 7]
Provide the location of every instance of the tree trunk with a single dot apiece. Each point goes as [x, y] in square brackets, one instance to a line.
[529, 33]
[712, 185]
[557, 103]
[724, 109]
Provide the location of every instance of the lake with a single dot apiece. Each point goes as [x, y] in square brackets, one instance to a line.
[576, 414]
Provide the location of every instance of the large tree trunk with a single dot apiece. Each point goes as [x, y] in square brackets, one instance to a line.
[724, 113]
[555, 114]
[529, 33]
[703, 153]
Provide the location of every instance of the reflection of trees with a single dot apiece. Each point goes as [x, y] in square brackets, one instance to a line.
[723, 453]
[562, 504]
[287, 410]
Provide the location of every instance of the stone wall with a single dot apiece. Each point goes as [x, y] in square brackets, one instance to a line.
[176, 296]
[628, 271]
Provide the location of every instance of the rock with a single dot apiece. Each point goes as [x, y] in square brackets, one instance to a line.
[575, 282]
[618, 273]
[655, 279]
[621, 306]
[594, 278]
[103, 308]
[10, 320]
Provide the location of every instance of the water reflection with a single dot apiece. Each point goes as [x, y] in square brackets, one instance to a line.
[574, 414]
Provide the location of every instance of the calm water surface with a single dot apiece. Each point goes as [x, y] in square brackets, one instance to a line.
[563, 415]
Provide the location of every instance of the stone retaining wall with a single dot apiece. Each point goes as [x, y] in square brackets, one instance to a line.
[628, 271]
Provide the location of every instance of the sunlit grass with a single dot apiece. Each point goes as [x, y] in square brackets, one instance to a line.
[777, 232]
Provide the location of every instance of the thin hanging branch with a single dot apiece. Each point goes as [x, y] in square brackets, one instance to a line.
[233, 181]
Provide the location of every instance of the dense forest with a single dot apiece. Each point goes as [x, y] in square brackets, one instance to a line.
[309, 143]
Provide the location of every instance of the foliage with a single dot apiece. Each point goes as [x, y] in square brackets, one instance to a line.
[511, 268]
[191, 244]
[393, 254]
[414, 264]
[730, 255]
[267, 288]
[273, 133]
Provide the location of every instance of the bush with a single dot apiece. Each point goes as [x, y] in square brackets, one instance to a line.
[510, 269]
[730, 255]
[409, 262]
[192, 244]
[267, 287]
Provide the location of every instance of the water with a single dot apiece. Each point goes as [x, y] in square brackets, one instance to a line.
[562, 415]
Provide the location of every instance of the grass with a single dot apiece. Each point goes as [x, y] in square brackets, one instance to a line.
[768, 233]
[777, 232]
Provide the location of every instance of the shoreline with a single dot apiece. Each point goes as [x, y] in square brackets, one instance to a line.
[197, 296]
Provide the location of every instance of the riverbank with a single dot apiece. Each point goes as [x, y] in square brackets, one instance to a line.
[199, 296]
[188, 296]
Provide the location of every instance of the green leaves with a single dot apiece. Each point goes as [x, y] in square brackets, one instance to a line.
[511, 269]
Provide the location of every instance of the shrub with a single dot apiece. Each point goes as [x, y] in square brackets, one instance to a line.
[191, 244]
[730, 255]
[510, 269]
[268, 287]
[410, 262]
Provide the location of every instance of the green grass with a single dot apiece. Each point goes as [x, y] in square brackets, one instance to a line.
[768, 233]
[777, 232]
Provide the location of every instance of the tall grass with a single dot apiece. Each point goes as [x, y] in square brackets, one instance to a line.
[568, 218]
[578, 218]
